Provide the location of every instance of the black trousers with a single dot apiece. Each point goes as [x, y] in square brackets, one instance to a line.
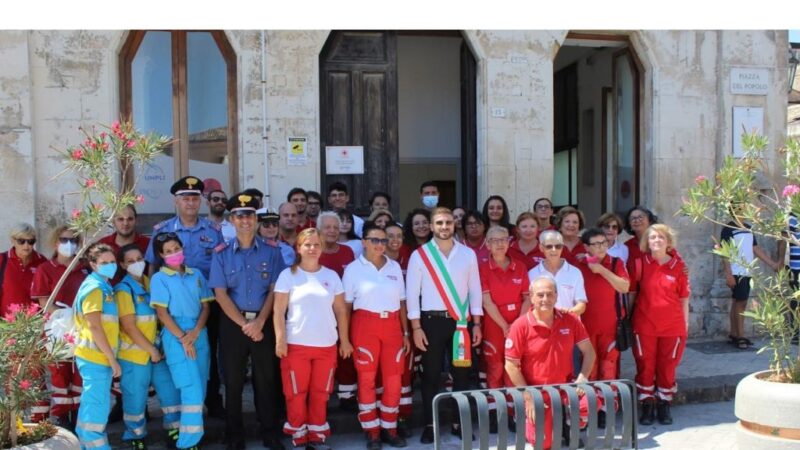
[439, 331]
[212, 327]
[236, 349]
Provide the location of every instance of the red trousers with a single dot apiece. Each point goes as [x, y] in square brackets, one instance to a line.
[346, 378]
[410, 360]
[583, 412]
[66, 387]
[606, 365]
[377, 342]
[657, 358]
[307, 375]
[493, 350]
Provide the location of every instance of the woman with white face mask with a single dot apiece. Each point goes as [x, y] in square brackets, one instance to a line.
[64, 377]
[140, 353]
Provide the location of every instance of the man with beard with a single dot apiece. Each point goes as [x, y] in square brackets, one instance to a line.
[216, 200]
[125, 231]
[443, 294]
[299, 198]
[288, 223]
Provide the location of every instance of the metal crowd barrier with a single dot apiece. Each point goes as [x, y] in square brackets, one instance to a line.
[623, 390]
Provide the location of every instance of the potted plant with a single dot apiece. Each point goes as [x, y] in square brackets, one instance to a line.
[102, 166]
[767, 403]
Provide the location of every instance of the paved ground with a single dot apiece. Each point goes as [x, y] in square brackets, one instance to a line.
[697, 427]
[704, 416]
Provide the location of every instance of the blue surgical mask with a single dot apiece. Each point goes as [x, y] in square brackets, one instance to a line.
[430, 201]
[107, 270]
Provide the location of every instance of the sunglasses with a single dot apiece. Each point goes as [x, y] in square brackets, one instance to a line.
[377, 241]
[163, 237]
[26, 241]
[65, 240]
[554, 246]
[218, 199]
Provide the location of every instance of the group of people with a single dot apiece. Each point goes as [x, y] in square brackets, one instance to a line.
[314, 299]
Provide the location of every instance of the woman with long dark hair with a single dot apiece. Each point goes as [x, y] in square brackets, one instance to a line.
[417, 228]
[495, 213]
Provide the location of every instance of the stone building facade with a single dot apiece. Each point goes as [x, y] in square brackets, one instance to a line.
[675, 120]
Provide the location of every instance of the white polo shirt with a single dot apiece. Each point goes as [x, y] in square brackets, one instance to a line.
[421, 292]
[371, 289]
[619, 250]
[310, 319]
[569, 283]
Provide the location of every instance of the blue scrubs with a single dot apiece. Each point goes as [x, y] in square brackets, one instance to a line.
[182, 295]
[139, 373]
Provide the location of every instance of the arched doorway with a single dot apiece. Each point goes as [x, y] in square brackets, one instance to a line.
[407, 98]
[596, 106]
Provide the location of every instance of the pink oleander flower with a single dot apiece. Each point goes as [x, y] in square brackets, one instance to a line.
[10, 318]
[87, 142]
[25, 384]
[140, 199]
[15, 308]
[131, 143]
[69, 338]
[77, 154]
[103, 135]
[115, 125]
[790, 190]
[76, 213]
[93, 145]
[10, 341]
[89, 183]
[33, 308]
[700, 179]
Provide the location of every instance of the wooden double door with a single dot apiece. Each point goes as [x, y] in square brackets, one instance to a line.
[359, 107]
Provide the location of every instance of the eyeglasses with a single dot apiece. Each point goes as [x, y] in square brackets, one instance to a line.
[543, 206]
[218, 199]
[337, 195]
[26, 241]
[598, 243]
[65, 240]
[553, 246]
[636, 218]
[310, 203]
[163, 237]
[474, 224]
[496, 241]
[610, 226]
[377, 241]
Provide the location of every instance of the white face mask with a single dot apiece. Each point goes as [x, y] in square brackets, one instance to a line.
[136, 269]
[430, 201]
[67, 250]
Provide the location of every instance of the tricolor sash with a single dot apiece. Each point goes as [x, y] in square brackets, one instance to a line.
[458, 309]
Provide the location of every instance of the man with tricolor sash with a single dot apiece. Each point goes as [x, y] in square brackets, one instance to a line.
[443, 291]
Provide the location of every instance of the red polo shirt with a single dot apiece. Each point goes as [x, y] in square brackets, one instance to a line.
[339, 260]
[601, 316]
[572, 255]
[545, 354]
[530, 259]
[309, 224]
[403, 255]
[633, 251]
[481, 251]
[659, 311]
[47, 276]
[507, 286]
[141, 241]
[17, 279]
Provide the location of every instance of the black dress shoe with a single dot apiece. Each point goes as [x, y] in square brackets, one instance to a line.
[318, 446]
[403, 429]
[395, 441]
[647, 412]
[273, 443]
[373, 443]
[427, 435]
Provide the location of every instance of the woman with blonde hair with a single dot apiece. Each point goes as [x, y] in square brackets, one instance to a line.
[660, 292]
[309, 309]
[17, 267]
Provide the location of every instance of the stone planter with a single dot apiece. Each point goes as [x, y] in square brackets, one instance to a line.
[768, 413]
[63, 440]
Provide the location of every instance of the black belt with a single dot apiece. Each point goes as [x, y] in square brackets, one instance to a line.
[443, 314]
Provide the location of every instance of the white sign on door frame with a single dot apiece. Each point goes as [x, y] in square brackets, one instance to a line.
[344, 160]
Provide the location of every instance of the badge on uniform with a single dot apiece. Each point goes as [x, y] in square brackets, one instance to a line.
[264, 275]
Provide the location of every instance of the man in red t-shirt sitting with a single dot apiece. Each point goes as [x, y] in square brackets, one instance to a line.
[539, 351]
